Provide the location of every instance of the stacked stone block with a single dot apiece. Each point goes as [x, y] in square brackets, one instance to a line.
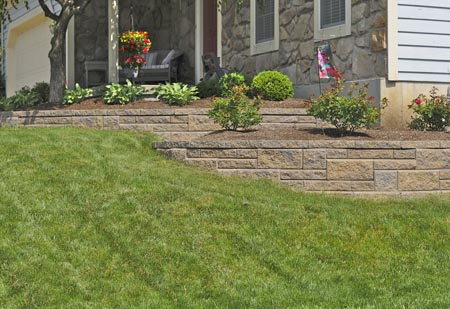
[352, 167]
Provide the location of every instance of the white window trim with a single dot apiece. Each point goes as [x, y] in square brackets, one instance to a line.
[268, 46]
[332, 32]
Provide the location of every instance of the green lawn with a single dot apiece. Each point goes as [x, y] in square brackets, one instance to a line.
[98, 219]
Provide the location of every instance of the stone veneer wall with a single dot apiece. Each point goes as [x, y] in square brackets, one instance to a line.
[170, 23]
[359, 56]
[351, 167]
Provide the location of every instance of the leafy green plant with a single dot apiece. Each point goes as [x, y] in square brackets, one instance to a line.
[43, 88]
[346, 112]
[432, 113]
[236, 111]
[76, 95]
[122, 94]
[230, 80]
[273, 85]
[176, 93]
[208, 88]
[23, 98]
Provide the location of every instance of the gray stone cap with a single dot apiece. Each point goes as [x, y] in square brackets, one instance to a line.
[304, 144]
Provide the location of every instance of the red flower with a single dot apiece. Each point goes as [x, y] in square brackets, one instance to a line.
[418, 101]
[128, 60]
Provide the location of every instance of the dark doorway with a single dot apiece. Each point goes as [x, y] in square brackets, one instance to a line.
[209, 27]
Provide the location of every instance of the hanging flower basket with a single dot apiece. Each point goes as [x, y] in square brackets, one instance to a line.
[133, 45]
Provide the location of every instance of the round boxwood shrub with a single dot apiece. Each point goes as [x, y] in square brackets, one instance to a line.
[273, 85]
[231, 80]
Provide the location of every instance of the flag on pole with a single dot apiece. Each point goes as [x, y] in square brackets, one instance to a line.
[327, 69]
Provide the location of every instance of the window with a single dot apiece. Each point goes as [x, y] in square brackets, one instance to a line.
[264, 26]
[332, 19]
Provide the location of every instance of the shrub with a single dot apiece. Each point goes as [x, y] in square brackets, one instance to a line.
[23, 98]
[346, 113]
[208, 88]
[43, 89]
[273, 85]
[176, 93]
[229, 81]
[236, 111]
[432, 114]
[122, 94]
[76, 95]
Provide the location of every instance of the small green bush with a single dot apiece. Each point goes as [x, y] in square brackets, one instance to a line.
[432, 114]
[346, 113]
[23, 98]
[229, 81]
[236, 111]
[43, 89]
[76, 95]
[208, 88]
[122, 94]
[273, 85]
[176, 93]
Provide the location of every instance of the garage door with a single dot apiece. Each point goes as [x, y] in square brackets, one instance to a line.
[31, 55]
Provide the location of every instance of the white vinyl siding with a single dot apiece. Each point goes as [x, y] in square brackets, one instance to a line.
[424, 40]
[332, 19]
[264, 26]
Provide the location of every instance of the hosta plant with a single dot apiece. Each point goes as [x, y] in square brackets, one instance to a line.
[176, 93]
[123, 94]
[431, 113]
[236, 111]
[76, 95]
[346, 111]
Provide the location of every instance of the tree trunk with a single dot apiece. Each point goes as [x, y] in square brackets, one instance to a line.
[58, 63]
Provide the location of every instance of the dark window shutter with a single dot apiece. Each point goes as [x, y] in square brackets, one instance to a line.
[332, 13]
[265, 20]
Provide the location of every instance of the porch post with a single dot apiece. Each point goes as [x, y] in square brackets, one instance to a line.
[70, 54]
[198, 39]
[113, 41]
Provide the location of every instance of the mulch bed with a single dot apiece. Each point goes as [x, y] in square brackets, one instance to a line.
[290, 133]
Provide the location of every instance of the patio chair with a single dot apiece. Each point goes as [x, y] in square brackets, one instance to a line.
[211, 67]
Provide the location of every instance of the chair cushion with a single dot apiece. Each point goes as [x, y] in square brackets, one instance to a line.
[157, 66]
[150, 58]
[168, 57]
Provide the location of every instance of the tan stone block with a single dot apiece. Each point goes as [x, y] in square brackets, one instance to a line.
[271, 174]
[444, 175]
[179, 119]
[203, 163]
[370, 153]
[395, 164]
[386, 180]
[418, 180]
[295, 184]
[433, 159]
[111, 122]
[127, 119]
[90, 122]
[202, 123]
[445, 184]
[420, 144]
[246, 154]
[303, 175]
[280, 119]
[237, 164]
[315, 159]
[137, 127]
[153, 119]
[324, 185]
[176, 127]
[350, 169]
[405, 154]
[176, 154]
[337, 154]
[280, 158]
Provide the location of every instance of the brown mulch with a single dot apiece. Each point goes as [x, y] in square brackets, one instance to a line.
[99, 103]
[291, 133]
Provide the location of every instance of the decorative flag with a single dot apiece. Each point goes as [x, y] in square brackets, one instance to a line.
[326, 67]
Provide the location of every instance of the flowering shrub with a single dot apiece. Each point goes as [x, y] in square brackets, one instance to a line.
[134, 44]
[346, 112]
[236, 111]
[432, 114]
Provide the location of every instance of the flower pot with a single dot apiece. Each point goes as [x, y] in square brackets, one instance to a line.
[131, 72]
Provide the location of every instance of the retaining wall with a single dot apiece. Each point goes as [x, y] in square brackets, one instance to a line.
[351, 167]
[170, 123]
